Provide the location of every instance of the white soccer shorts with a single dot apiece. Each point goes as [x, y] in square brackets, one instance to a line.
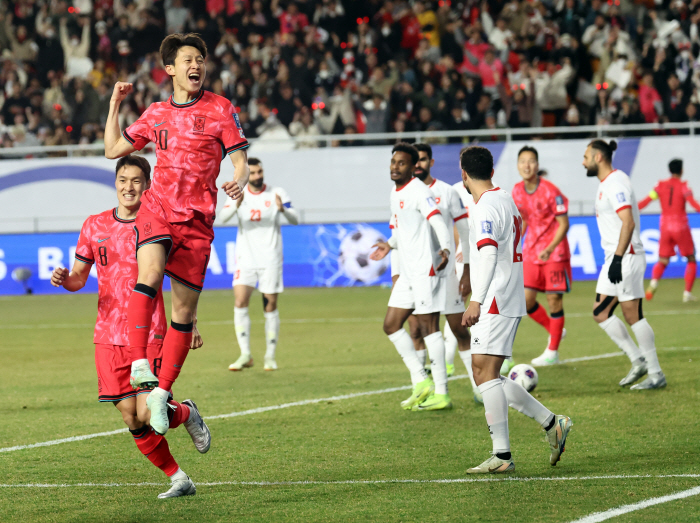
[423, 296]
[267, 280]
[632, 285]
[394, 257]
[494, 334]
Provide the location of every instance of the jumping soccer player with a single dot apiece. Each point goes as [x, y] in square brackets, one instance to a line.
[258, 259]
[107, 240]
[675, 231]
[621, 280]
[420, 289]
[192, 130]
[497, 285]
[546, 255]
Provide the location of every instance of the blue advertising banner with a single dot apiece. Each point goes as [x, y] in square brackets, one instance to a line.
[328, 255]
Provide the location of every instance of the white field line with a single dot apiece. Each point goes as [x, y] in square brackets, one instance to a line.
[626, 509]
[300, 321]
[368, 482]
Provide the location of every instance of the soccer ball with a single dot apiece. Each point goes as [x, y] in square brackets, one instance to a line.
[524, 375]
[353, 258]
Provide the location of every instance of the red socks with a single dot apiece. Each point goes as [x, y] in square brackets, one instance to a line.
[139, 318]
[538, 314]
[658, 271]
[690, 271]
[156, 449]
[175, 348]
[180, 415]
[556, 324]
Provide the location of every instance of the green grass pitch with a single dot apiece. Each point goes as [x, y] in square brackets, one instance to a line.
[332, 344]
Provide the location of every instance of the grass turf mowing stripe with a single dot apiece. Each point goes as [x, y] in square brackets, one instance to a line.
[376, 482]
[596, 517]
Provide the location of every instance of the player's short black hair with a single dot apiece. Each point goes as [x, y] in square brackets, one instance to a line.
[477, 162]
[403, 147]
[605, 148]
[135, 161]
[424, 147]
[254, 161]
[529, 149]
[172, 43]
[675, 166]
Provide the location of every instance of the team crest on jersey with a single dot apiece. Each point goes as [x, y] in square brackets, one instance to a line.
[268, 203]
[401, 204]
[147, 229]
[437, 199]
[199, 124]
[486, 227]
[238, 124]
[621, 197]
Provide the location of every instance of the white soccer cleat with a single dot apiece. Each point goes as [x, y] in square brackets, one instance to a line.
[141, 375]
[548, 357]
[478, 398]
[182, 487]
[493, 465]
[245, 361]
[157, 403]
[636, 372]
[556, 437]
[653, 381]
[197, 429]
[687, 297]
[270, 364]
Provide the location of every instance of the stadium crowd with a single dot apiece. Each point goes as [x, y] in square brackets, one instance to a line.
[310, 67]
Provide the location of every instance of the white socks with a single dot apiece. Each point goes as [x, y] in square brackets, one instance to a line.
[436, 351]
[241, 322]
[645, 337]
[421, 356]
[450, 345]
[522, 401]
[272, 332]
[466, 356]
[404, 345]
[496, 410]
[178, 476]
[617, 331]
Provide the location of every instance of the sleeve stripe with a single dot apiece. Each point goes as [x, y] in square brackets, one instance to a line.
[433, 214]
[128, 138]
[465, 215]
[623, 208]
[486, 241]
[563, 213]
[83, 259]
[237, 147]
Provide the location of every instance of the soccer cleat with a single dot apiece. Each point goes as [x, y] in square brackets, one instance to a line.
[434, 402]
[649, 294]
[653, 381]
[548, 357]
[687, 297]
[243, 362]
[450, 369]
[508, 364]
[421, 391]
[636, 372]
[157, 403]
[197, 429]
[556, 437]
[141, 376]
[270, 363]
[183, 487]
[478, 398]
[493, 465]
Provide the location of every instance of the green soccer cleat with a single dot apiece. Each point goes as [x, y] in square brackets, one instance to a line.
[556, 437]
[183, 487]
[508, 364]
[434, 402]
[493, 465]
[450, 369]
[243, 362]
[157, 403]
[270, 363]
[421, 391]
[141, 376]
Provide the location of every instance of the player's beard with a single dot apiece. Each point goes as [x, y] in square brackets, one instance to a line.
[257, 184]
[592, 172]
[421, 174]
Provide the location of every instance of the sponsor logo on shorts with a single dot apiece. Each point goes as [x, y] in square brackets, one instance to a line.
[147, 229]
[475, 341]
[199, 124]
[486, 227]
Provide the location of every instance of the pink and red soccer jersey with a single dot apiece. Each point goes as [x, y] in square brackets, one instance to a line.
[539, 211]
[673, 194]
[191, 141]
[109, 243]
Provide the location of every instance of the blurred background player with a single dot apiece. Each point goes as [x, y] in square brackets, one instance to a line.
[107, 240]
[546, 255]
[258, 259]
[621, 280]
[674, 228]
[497, 275]
[420, 288]
[174, 227]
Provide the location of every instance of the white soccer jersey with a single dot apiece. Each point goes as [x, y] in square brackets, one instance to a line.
[411, 207]
[259, 239]
[615, 194]
[495, 220]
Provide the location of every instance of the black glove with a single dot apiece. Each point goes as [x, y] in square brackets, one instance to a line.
[615, 270]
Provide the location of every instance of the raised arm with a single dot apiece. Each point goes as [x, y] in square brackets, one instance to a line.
[116, 145]
[653, 195]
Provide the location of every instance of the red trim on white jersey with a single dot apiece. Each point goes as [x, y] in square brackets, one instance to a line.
[257, 192]
[486, 241]
[494, 307]
[465, 215]
[431, 185]
[405, 184]
[606, 177]
[489, 190]
[433, 214]
[623, 208]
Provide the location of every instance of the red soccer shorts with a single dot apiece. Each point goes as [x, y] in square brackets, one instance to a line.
[113, 363]
[553, 277]
[189, 245]
[680, 236]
